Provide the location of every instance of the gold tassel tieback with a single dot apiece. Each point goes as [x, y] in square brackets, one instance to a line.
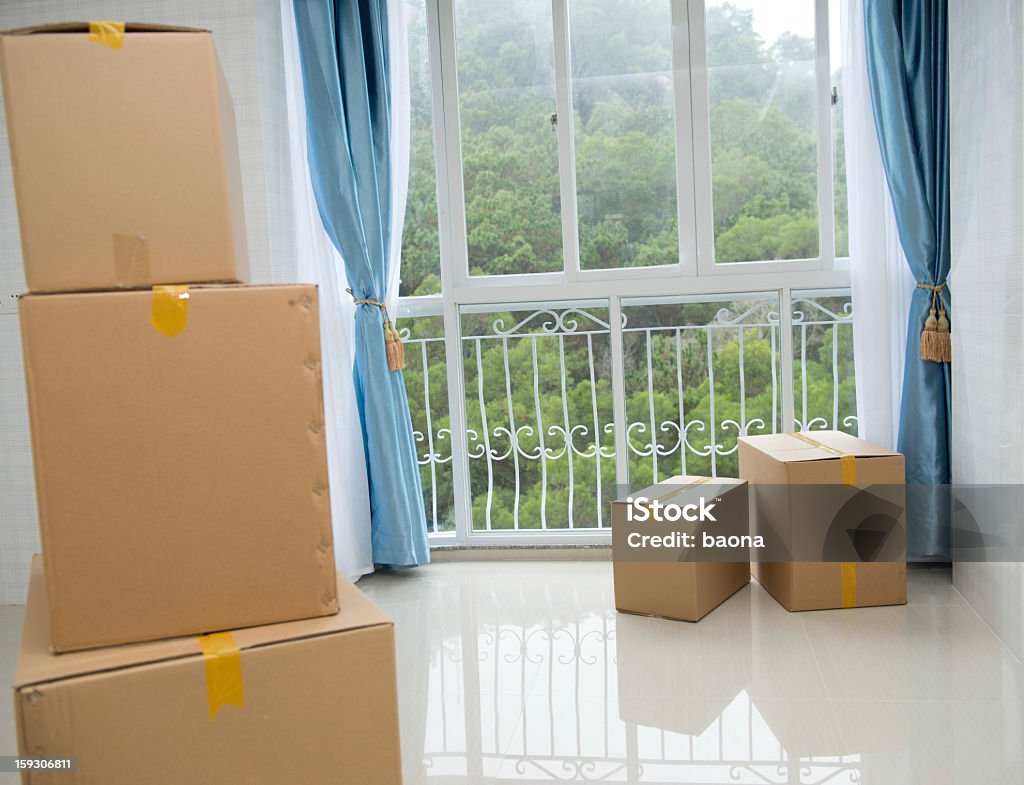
[936, 346]
[392, 342]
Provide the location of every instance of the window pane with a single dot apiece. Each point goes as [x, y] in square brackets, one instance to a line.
[824, 387]
[835, 53]
[763, 121]
[625, 135]
[421, 255]
[509, 144]
[698, 373]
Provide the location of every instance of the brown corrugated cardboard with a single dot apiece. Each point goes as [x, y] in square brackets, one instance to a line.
[319, 704]
[181, 479]
[686, 589]
[800, 521]
[125, 159]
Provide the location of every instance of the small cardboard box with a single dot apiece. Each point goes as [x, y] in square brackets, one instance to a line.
[311, 701]
[180, 460]
[124, 156]
[802, 488]
[681, 584]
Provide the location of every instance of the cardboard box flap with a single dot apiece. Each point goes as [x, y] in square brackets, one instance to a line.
[814, 446]
[660, 490]
[83, 27]
[37, 664]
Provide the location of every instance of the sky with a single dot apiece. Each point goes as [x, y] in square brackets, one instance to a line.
[774, 17]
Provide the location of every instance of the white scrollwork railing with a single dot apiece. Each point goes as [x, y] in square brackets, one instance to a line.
[808, 315]
[538, 388]
[542, 407]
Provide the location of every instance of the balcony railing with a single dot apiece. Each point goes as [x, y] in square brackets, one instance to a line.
[541, 384]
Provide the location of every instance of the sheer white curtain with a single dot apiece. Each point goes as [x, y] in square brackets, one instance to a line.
[880, 279]
[319, 262]
[401, 132]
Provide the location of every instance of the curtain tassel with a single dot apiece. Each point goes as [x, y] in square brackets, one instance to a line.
[394, 348]
[936, 345]
[392, 341]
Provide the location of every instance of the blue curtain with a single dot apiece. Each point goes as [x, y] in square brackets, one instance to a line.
[906, 42]
[343, 49]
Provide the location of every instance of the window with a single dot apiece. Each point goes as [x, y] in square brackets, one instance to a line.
[509, 148]
[764, 140]
[620, 249]
[835, 50]
[624, 118]
[421, 253]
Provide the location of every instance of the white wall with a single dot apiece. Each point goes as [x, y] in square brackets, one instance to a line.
[987, 244]
[247, 35]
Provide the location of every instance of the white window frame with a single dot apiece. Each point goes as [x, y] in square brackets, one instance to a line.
[695, 273]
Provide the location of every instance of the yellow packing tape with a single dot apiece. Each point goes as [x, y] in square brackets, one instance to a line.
[848, 580]
[107, 33]
[223, 671]
[848, 470]
[170, 309]
[680, 488]
[847, 462]
[848, 467]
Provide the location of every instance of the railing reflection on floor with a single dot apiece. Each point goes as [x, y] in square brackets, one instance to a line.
[532, 684]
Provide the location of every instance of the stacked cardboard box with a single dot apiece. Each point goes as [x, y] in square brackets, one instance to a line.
[178, 442]
[309, 701]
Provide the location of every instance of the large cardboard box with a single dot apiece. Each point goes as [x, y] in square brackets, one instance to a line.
[180, 461]
[125, 157]
[678, 583]
[831, 508]
[308, 702]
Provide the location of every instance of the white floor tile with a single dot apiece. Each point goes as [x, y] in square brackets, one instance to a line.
[934, 742]
[522, 672]
[912, 652]
[930, 585]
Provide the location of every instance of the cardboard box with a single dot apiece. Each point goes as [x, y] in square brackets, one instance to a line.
[800, 484]
[181, 476]
[310, 701]
[679, 584]
[125, 159]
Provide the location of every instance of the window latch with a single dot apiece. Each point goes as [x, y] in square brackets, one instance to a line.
[554, 119]
[835, 95]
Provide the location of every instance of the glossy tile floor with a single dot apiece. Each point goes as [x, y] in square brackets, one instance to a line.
[522, 672]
